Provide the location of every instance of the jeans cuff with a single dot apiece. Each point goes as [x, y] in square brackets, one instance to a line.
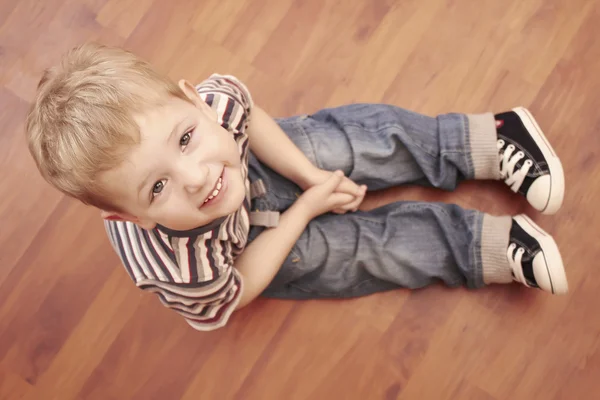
[484, 152]
[495, 234]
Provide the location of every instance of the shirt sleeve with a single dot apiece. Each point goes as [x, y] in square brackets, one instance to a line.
[230, 99]
[205, 306]
[193, 276]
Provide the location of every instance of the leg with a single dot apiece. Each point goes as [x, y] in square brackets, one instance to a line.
[412, 245]
[383, 145]
[401, 245]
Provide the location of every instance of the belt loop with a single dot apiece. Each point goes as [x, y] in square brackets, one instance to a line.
[268, 219]
[257, 189]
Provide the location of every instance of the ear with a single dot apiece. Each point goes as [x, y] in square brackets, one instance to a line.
[117, 216]
[190, 91]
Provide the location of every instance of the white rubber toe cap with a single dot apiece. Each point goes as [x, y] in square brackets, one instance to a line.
[550, 273]
[538, 194]
[545, 195]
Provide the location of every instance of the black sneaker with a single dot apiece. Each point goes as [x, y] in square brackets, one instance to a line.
[528, 164]
[534, 257]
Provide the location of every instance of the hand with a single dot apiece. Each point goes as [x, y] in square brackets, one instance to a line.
[324, 197]
[318, 176]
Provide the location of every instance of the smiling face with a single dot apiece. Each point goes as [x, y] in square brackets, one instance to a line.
[185, 172]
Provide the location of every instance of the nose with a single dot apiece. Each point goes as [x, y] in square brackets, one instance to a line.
[194, 177]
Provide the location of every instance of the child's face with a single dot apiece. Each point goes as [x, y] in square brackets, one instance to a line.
[184, 158]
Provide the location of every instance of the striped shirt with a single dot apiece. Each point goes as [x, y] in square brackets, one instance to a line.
[192, 271]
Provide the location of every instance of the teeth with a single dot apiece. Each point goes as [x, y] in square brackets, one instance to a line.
[216, 191]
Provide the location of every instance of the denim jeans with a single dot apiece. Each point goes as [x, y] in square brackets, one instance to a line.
[401, 245]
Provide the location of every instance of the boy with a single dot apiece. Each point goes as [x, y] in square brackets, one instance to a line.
[210, 203]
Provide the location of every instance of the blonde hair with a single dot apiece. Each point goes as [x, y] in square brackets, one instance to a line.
[82, 120]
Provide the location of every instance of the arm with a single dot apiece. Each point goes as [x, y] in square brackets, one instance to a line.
[274, 148]
[261, 260]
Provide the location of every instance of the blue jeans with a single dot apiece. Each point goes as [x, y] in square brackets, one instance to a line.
[401, 245]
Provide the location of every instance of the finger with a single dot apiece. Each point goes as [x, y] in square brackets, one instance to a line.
[354, 204]
[348, 186]
[359, 199]
[362, 198]
[351, 206]
[337, 200]
[333, 181]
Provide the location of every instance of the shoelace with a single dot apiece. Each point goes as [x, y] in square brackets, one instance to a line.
[514, 260]
[508, 163]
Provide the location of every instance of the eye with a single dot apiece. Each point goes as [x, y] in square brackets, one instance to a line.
[158, 187]
[185, 138]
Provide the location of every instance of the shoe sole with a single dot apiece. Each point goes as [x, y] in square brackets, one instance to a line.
[557, 176]
[554, 264]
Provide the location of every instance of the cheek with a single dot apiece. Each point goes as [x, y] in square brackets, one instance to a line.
[240, 192]
[175, 208]
[225, 148]
[232, 148]
[218, 143]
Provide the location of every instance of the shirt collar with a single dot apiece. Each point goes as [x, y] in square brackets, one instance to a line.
[193, 232]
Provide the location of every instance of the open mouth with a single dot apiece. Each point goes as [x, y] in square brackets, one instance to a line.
[215, 191]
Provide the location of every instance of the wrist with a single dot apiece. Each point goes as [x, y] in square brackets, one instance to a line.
[308, 177]
[301, 211]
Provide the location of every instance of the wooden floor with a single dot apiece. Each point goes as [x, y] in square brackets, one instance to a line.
[73, 326]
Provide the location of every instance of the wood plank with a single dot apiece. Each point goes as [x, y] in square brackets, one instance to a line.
[123, 16]
[13, 387]
[54, 293]
[102, 322]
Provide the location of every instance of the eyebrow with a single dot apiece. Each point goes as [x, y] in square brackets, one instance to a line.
[174, 131]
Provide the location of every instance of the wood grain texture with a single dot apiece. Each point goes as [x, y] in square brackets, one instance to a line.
[72, 325]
